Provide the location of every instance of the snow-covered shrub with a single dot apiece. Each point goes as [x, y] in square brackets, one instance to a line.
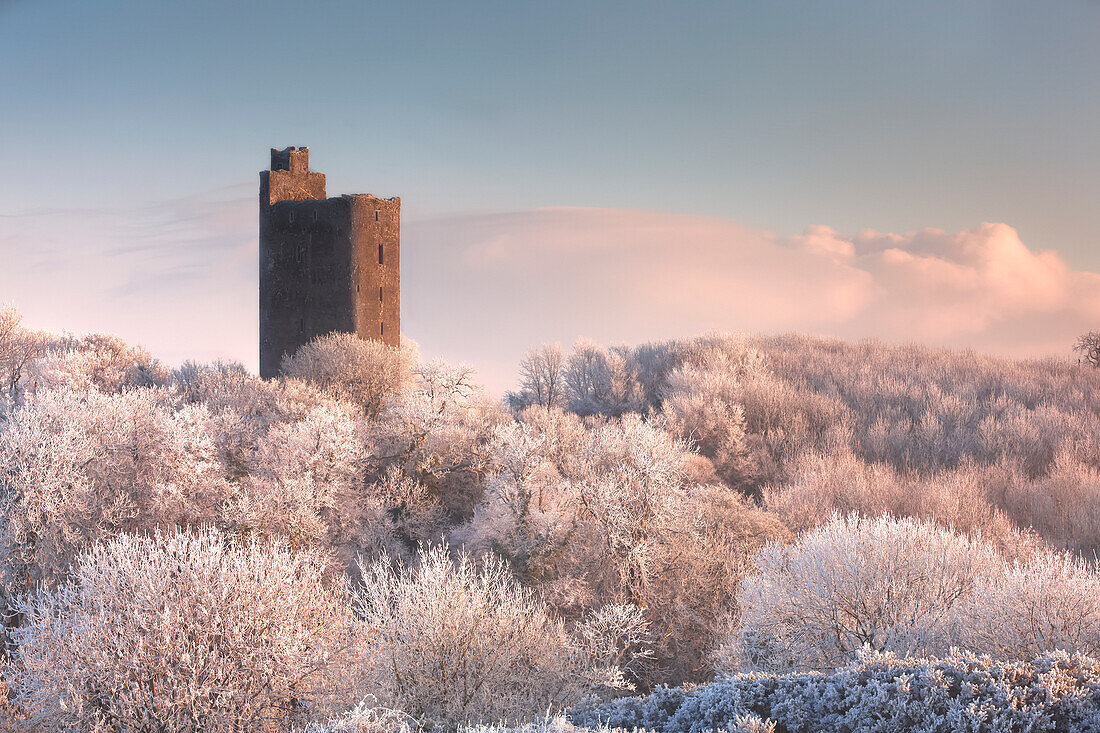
[880, 693]
[448, 642]
[185, 629]
[745, 723]
[889, 584]
[365, 719]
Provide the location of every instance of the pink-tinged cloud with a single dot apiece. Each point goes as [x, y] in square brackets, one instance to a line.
[486, 287]
[181, 278]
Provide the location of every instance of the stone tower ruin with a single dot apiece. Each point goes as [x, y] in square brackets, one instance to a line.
[326, 264]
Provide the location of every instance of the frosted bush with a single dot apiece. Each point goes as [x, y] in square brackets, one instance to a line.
[1050, 602]
[362, 371]
[75, 467]
[185, 629]
[879, 693]
[701, 406]
[448, 642]
[99, 362]
[743, 723]
[889, 584]
[366, 718]
[616, 642]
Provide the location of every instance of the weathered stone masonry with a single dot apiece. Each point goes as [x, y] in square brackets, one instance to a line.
[326, 264]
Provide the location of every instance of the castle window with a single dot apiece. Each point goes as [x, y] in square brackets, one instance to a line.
[315, 215]
[300, 255]
[301, 325]
[381, 329]
[357, 287]
[290, 216]
[379, 295]
[376, 216]
[380, 254]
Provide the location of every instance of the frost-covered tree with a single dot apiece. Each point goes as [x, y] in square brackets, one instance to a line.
[435, 431]
[183, 632]
[542, 378]
[307, 482]
[599, 381]
[701, 406]
[450, 642]
[75, 467]
[1088, 347]
[524, 512]
[243, 406]
[365, 372]
[630, 495]
[99, 362]
[604, 514]
[18, 348]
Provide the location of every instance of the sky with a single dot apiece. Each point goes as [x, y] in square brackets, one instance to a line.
[621, 171]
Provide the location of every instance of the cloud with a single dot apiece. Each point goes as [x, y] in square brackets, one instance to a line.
[180, 277]
[484, 288]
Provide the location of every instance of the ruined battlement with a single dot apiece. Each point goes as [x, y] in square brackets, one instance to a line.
[295, 160]
[326, 264]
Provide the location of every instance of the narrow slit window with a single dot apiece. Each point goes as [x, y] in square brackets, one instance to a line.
[379, 295]
[290, 216]
[376, 216]
[357, 287]
[301, 325]
[380, 254]
[301, 254]
[315, 215]
[382, 329]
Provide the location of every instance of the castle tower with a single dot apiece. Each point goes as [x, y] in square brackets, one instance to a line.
[326, 264]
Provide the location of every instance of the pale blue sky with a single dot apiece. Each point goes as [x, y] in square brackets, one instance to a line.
[779, 115]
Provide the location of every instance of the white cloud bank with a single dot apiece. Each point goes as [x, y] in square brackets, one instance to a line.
[181, 279]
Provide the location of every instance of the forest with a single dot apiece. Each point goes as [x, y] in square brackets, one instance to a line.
[721, 532]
